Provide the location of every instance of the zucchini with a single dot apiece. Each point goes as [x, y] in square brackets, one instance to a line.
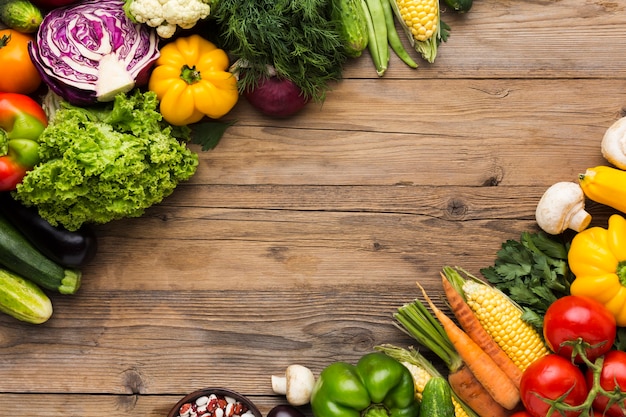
[351, 19]
[17, 254]
[460, 6]
[20, 15]
[23, 299]
[71, 249]
[437, 398]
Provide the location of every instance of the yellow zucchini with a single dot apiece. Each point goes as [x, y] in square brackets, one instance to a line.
[605, 185]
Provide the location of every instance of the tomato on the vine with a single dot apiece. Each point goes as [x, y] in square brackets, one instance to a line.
[612, 375]
[17, 71]
[550, 378]
[574, 317]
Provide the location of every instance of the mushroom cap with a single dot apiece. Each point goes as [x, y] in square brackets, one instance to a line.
[613, 144]
[562, 206]
[300, 382]
[297, 384]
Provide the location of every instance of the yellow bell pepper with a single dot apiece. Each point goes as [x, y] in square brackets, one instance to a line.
[597, 258]
[191, 79]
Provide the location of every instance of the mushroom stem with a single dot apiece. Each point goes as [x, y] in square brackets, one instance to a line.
[279, 384]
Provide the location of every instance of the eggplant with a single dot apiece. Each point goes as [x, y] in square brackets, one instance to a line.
[285, 410]
[71, 249]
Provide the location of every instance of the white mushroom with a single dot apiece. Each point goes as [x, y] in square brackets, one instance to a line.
[614, 144]
[296, 384]
[562, 206]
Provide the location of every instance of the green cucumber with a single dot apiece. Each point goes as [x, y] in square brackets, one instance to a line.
[350, 17]
[460, 6]
[437, 398]
[23, 299]
[20, 15]
[17, 254]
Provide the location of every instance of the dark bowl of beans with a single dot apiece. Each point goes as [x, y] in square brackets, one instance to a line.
[214, 402]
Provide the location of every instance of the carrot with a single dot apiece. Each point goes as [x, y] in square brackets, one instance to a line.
[486, 371]
[415, 320]
[464, 383]
[468, 321]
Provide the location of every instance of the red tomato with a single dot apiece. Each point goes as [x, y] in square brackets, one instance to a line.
[551, 377]
[613, 375]
[574, 317]
[521, 414]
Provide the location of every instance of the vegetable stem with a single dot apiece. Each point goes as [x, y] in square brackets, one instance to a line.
[419, 323]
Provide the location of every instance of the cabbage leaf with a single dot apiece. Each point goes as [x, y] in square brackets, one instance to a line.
[107, 162]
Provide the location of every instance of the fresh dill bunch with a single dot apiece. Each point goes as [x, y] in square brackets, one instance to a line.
[297, 38]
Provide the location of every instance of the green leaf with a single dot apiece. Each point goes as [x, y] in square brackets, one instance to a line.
[533, 271]
[620, 339]
[550, 247]
[4, 142]
[534, 319]
[209, 134]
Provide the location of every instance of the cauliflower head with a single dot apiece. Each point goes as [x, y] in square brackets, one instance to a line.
[168, 15]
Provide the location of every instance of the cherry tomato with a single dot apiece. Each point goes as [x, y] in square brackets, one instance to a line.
[17, 71]
[613, 375]
[572, 317]
[551, 377]
[521, 414]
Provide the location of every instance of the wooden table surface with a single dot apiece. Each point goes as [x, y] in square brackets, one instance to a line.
[297, 239]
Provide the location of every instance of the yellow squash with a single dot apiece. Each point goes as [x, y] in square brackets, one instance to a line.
[191, 79]
[605, 185]
[597, 258]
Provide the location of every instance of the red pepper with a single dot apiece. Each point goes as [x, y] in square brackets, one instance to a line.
[22, 120]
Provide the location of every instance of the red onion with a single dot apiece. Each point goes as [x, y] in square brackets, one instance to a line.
[276, 97]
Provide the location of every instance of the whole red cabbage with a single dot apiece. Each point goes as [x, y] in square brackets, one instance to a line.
[89, 51]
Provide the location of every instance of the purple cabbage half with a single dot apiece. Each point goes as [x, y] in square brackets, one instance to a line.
[89, 51]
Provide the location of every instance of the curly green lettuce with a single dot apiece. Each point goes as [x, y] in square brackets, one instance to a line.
[106, 163]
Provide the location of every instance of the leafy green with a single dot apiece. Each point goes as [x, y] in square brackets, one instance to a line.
[620, 339]
[533, 272]
[107, 162]
[208, 134]
[297, 38]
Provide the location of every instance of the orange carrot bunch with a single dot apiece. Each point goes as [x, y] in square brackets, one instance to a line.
[481, 373]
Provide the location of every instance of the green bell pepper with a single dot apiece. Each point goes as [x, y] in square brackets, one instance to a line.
[378, 386]
[22, 120]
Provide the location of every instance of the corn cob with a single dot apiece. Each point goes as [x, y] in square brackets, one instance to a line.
[422, 23]
[422, 371]
[502, 319]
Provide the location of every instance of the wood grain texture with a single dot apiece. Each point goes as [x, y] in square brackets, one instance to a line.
[298, 239]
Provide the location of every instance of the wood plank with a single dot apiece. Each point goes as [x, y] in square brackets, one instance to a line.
[48, 405]
[297, 239]
[523, 39]
[148, 341]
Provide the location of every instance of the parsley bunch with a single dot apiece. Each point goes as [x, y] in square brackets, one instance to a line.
[533, 272]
